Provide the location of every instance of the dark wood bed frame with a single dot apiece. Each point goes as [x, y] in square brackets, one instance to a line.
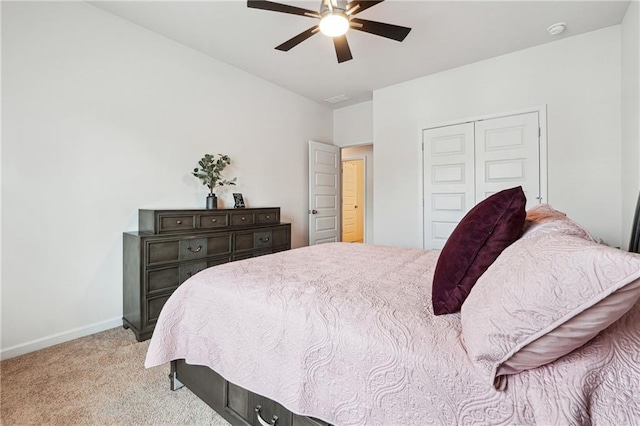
[237, 405]
[634, 243]
[241, 407]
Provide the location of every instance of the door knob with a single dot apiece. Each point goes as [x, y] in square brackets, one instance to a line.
[314, 211]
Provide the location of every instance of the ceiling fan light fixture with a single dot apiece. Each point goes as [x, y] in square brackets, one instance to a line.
[336, 18]
[334, 24]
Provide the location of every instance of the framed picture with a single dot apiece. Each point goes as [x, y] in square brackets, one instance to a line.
[239, 201]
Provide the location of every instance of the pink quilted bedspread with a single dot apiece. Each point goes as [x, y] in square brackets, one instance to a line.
[346, 333]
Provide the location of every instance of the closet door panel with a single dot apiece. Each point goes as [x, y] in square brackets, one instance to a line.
[507, 152]
[448, 185]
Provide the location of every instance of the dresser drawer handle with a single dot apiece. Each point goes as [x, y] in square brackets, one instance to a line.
[268, 217]
[196, 250]
[214, 220]
[265, 239]
[179, 222]
[274, 419]
[192, 273]
[243, 218]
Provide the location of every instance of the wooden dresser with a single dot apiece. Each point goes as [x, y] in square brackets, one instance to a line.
[173, 245]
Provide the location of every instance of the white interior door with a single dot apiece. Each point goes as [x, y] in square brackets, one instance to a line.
[352, 201]
[349, 201]
[324, 193]
[360, 199]
[448, 187]
[507, 155]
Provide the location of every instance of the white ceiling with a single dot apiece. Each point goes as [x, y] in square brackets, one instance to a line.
[445, 34]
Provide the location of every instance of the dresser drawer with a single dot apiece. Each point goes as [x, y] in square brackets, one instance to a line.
[243, 241]
[163, 251]
[164, 279]
[193, 248]
[213, 221]
[169, 223]
[154, 306]
[257, 239]
[242, 218]
[262, 239]
[280, 236]
[159, 280]
[267, 216]
[190, 269]
[219, 244]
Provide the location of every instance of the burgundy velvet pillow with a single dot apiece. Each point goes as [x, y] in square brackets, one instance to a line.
[486, 230]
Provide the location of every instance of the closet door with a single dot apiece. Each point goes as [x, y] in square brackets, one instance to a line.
[507, 154]
[465, 163]
[448, 186]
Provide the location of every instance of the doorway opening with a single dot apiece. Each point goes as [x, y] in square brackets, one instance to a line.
[352, 201]
[357, 193]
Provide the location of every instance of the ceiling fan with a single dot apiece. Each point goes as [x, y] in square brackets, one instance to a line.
[336, 18]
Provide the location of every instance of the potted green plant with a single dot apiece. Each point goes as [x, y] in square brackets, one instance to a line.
[210, 173]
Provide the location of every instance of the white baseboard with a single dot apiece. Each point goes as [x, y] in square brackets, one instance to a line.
[55, 339]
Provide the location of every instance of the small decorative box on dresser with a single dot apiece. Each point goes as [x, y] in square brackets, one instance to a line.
[173, 245]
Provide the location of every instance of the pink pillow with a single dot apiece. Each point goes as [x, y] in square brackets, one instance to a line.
[544, 218]
[546, 295]
[475, 243]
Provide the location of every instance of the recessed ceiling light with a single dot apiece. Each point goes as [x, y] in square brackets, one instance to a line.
[556, 29]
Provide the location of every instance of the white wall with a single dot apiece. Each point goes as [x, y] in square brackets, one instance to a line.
[353, 125]
[100, 118]
[578, 78]
[353, 130]
[630, 117]
[364, 152]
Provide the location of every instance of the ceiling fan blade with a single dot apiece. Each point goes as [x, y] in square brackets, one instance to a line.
[342, 49]
[283, 8]
[381, 29]
[364, 5]
[293, 42]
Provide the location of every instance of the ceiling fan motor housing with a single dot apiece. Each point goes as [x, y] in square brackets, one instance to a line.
[327, 6]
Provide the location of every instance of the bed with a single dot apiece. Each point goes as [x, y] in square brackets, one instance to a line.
[346, 334]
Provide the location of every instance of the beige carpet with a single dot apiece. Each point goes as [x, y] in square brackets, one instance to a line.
[95, 380]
